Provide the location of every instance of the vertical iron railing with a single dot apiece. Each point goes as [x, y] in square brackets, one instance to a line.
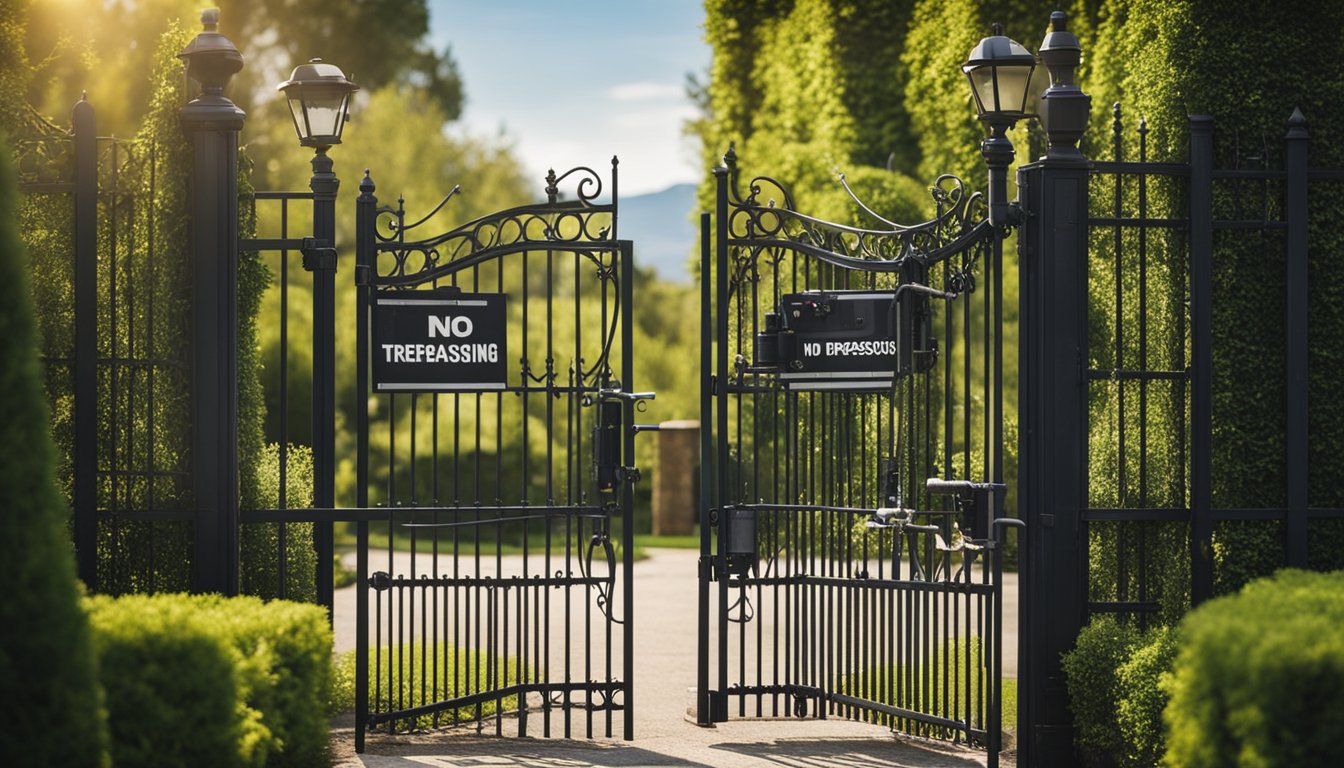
[1163, 460]
[86, 340]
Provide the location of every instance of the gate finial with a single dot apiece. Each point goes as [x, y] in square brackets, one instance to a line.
[552, 188]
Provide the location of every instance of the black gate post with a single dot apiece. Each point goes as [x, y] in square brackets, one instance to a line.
[1052, 474]
[366, 216]
[322, 263]
[86, 343]
[1295, 211]
[213, 122]
[1201, 358]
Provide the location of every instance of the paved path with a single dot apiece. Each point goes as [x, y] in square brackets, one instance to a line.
[665, 588]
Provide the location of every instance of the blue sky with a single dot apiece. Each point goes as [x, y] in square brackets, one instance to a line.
[573, 82]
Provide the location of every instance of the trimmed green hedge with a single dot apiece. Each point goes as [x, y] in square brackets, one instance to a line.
[1091, 672]
[1144, 699]
[212, 681]
[1113, 677]
[1259, 680]
[172, 689]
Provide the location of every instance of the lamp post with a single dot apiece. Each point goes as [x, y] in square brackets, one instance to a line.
[319, 103]
[999, 69]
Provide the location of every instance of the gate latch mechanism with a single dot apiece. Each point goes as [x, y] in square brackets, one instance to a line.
[318, 255]
[608, 470]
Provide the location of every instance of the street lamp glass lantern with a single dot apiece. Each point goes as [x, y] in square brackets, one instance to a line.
[319, 102]
[999, 69]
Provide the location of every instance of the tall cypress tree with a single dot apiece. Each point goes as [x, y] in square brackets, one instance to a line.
[50, 702]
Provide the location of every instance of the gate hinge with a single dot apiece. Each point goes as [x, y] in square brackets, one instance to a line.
[362, 275]
[317, 255]
[628, 474]
[713, 385]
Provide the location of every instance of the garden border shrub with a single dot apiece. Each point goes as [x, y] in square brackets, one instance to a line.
[51, 710]
[1113, 675]
[171, 686]
[1259, 678]
[205, 680]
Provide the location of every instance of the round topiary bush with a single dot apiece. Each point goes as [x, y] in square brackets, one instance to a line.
[1259, 678]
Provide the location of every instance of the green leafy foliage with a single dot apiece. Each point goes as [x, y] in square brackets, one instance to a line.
[1091, 672]
[173, 695]
[104, 49]
[260, 544]
[284, 654]
[51, 708]
[1114, 676]
[1164, 61]
[1140, 708]
[210, 681]
[815, 87]
[1259, 678]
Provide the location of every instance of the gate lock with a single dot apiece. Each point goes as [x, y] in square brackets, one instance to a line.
[740, 549]
[975, 502]
[318, 255]
[607, 468]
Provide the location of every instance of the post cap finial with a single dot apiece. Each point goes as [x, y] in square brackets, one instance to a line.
[210, 19]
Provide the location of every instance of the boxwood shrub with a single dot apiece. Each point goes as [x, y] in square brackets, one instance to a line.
[1259, 678]
[1114, 675]
[284, 651]
[1142, 700]
[171, 686]
[203, 680]
[1091, 671]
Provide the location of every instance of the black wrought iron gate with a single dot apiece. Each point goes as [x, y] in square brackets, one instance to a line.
[850, 375]
[495, 585]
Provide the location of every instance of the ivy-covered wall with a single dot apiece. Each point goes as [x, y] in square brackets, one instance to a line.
[1164, 60]
[809, 88]
[144, 315]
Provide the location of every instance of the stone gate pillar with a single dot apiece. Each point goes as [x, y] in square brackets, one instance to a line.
[675, 495]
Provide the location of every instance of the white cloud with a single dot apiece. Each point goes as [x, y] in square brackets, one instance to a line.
[646, 91]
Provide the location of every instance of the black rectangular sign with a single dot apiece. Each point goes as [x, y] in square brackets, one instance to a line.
[442, 340]
[839, 340]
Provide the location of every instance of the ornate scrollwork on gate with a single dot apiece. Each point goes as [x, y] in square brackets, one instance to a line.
[579, 224]
[767, 216]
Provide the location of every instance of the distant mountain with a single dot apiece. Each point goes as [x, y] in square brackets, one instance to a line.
[665, 233]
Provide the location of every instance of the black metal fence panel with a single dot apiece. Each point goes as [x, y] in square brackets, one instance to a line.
[111, 310]
[494, 585]
[1178, 248]
[280, 554]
